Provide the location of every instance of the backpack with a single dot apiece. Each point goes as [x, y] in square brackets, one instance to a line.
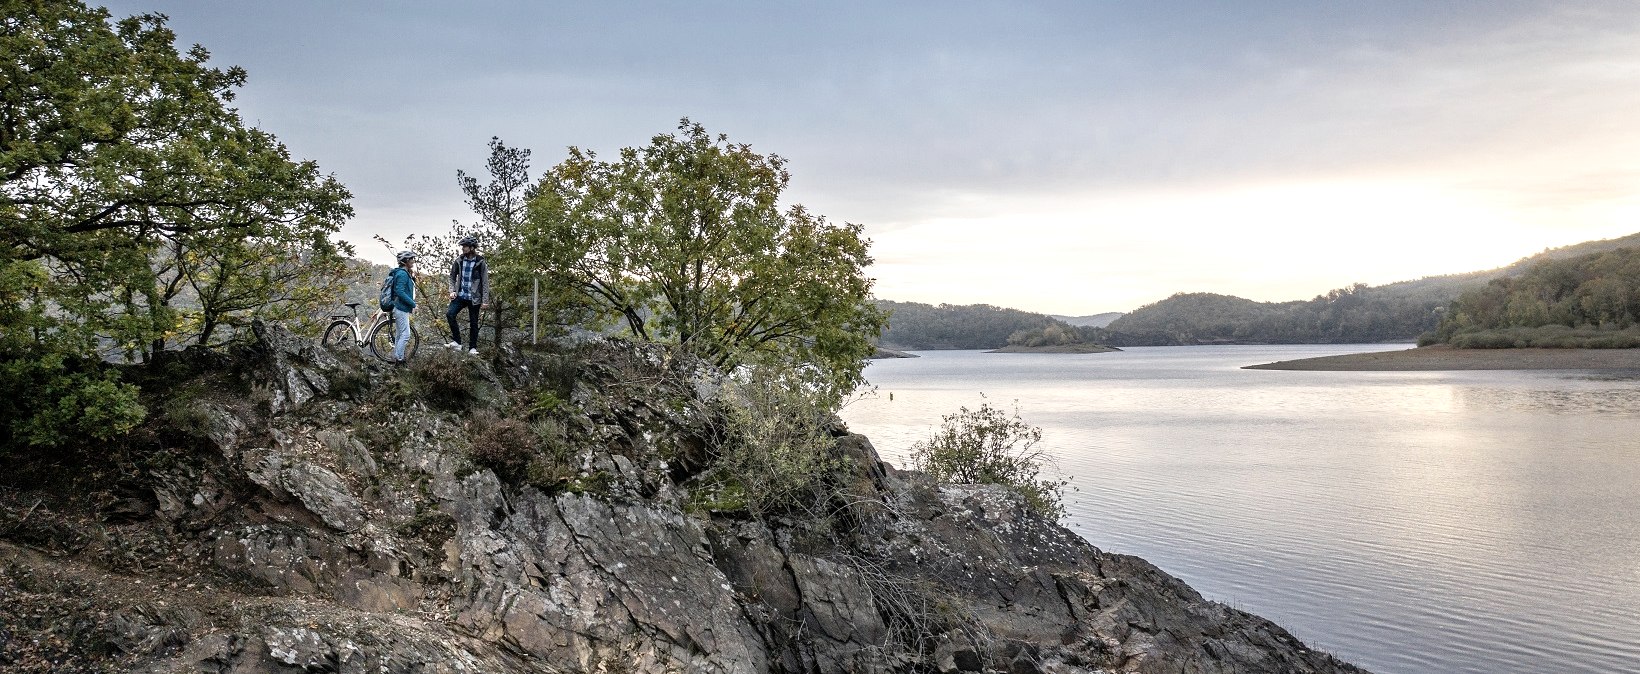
[387, 292]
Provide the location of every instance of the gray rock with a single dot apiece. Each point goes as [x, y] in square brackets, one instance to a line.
[318, 489]
[324, 554]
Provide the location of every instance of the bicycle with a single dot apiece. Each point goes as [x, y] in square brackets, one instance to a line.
[345, 331]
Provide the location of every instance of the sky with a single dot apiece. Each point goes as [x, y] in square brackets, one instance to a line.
[1068, 157]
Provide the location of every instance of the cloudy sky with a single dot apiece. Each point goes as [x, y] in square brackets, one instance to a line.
[1067, 157]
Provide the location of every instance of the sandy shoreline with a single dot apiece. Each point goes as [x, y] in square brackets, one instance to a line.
[1446, 358]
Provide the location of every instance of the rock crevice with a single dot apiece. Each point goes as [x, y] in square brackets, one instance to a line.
[319, 520]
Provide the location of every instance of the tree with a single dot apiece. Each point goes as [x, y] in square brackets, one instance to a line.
[137, 209]
[501, 205]
[684, 241]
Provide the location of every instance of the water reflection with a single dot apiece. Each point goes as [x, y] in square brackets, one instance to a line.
[1614, 395]
[1455, 522]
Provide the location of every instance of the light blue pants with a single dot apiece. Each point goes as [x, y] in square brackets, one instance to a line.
[401, 331]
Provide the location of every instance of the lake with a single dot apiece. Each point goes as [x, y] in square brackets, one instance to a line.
[1405, 521]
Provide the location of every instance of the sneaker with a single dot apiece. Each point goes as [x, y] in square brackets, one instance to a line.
[453, 345]
[472, 352]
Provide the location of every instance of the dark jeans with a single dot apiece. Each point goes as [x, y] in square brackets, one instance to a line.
[456, 305]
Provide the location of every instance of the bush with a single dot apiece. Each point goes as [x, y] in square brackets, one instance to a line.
[503, 444]
[58, 401]
[445, 379]
[990, 446]
[1547, 337]
[775, 454]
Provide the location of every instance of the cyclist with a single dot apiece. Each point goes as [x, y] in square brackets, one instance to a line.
[469, 289]
[404, 301]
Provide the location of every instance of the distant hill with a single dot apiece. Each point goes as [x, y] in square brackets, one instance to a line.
[913, 326]
[1401, 311]
[1347, 315]
[1093, 321]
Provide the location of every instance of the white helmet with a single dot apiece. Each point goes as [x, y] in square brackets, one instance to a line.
[406, 256]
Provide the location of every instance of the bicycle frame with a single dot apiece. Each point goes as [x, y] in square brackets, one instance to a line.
[346, 329]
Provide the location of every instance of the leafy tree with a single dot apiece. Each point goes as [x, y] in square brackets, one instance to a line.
[501, 205]
[990, 446]
[137, 209]
[684, 241]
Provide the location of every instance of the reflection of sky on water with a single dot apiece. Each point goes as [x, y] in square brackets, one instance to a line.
[1573, 395]
[1422, 521]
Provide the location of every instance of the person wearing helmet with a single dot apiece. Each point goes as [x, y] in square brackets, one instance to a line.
[404, 302]
[469, 289]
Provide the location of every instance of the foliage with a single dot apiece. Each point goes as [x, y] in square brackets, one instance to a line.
[914, 326]
[1585, 301]
[502, 443]
[989, 446]
[445, 379]
[138, 211]
[1357, 313]
[683, 241]
[54, 400]
[126, 178]
[500, 205]
[1553, 336]
[1055, 334]
[775, 454]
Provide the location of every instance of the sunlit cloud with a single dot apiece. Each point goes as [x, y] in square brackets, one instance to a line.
[1058, 156]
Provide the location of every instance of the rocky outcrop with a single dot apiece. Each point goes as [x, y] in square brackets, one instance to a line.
[310, 512]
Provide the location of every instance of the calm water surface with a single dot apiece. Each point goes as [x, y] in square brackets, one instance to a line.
[1405, 521]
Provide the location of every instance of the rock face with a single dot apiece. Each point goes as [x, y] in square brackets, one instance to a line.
[311, 512]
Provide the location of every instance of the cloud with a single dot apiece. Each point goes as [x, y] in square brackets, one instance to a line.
[1087, 156]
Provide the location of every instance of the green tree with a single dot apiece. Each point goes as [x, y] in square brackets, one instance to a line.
[137, 209]
[684, 241]
[501, 205]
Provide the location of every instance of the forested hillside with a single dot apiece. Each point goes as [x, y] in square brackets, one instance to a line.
[914, 327]
[1358, 313]
[1588, 301]
[1401, 311]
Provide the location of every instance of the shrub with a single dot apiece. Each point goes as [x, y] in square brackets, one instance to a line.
[445, 379]
[775, 454]
[990, 446]
[503, 444]
[1547, 337]
[61, 401]
[552, 466]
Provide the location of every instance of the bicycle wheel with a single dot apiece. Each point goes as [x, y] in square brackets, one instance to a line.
[340, 334]
[384, 334]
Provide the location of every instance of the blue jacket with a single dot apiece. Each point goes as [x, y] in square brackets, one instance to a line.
[404, 290]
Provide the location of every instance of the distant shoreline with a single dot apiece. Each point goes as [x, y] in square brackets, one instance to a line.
[1059, 348]
[884, 353]
[1435, 358]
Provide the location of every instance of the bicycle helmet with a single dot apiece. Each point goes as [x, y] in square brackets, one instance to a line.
[406, 256]
[469, 240]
